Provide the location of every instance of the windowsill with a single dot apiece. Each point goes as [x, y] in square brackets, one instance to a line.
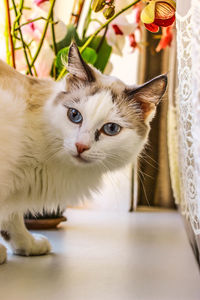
[110, 256]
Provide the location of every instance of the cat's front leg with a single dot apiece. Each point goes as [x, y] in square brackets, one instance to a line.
[3, 254]
[21, 241]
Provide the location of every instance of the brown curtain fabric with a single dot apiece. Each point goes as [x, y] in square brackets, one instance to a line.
[154, 178]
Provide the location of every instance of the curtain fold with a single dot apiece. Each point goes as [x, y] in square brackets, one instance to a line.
[154, 176]
[184, 119]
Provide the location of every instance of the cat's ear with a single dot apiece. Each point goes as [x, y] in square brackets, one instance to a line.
[77, 66]
[149, 95]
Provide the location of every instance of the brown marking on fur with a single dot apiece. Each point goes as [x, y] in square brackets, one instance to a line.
[34, 91]
[60, 98]
[76, 92]
[131, 112]
[38, 92]
[77, 66]
[5, 235]
[114, 96]
[33, 81]
[97, 135]
[147, 108]
[9, 77]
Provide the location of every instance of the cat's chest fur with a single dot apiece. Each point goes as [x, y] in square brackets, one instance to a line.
[53, 183]
[45, 177]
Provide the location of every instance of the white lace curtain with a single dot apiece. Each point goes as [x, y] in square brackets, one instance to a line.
[184, 115]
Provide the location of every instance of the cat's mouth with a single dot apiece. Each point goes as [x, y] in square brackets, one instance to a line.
[81, 159]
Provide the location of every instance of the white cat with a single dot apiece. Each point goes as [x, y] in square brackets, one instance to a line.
[58, 138]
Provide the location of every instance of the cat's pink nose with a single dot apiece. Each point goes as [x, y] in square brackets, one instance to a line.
[81, 147]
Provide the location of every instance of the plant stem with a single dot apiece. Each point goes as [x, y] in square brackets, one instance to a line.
[106, 24]
[76, 12]
[53, 34]
[102, 40]
[18, 16]
[8, 25]
[43, 33]
[87, 43]
[80, 8]
[54, 44]
[30, 55]
[28, 22]
[87, 20]
[7, 40]
[96, 20]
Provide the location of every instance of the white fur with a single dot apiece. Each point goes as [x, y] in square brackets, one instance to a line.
[38, 167]
[39, 163]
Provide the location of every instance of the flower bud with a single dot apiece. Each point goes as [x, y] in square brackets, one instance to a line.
[164, 10]
[108, 12]
[109, 2]
[98, 5]
[39, 2]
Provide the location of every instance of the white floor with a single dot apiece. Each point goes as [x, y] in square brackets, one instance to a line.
[108, 256]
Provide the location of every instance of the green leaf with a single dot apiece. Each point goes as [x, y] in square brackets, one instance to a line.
[71, 35]
[103, 52]
[89, 55]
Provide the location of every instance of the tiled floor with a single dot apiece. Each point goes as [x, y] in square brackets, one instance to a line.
[108, 256]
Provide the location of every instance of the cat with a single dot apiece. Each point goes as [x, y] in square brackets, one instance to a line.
[57, 139]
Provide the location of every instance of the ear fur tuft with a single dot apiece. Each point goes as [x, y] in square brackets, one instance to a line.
[149, 94]
[77, 66]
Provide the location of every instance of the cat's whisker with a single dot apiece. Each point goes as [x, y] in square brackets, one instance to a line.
[144, 174]
[109, 175]
[154, 167]
[143, 187]
[153, 160]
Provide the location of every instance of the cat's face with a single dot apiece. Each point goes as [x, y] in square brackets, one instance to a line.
[100, 120]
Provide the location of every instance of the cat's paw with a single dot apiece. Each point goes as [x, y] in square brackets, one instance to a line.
[3, 254]
[38, 245]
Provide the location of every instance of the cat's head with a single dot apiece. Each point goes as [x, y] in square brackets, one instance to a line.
[101, 120]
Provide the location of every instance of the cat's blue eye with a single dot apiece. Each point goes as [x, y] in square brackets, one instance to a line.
[74, 115]
[111, 128]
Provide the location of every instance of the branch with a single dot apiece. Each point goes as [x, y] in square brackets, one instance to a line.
[87, 20]
[43, 33]
[106, 24]
[76, 12]
[53, 34]
[8, 21]
[17, 21]
[87, 43]
[28, 22]
[54, 44]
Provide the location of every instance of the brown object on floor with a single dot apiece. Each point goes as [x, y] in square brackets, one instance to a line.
[44, 223]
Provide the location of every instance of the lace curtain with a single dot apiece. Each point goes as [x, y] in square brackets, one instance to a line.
[184, 115]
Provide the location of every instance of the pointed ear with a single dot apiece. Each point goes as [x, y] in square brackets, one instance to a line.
[77, 66]
[149, 95]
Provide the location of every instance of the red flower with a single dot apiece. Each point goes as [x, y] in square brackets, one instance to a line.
[158, 13]
[39, 2]
[166, 39]
[132, 40]
[117, 30]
